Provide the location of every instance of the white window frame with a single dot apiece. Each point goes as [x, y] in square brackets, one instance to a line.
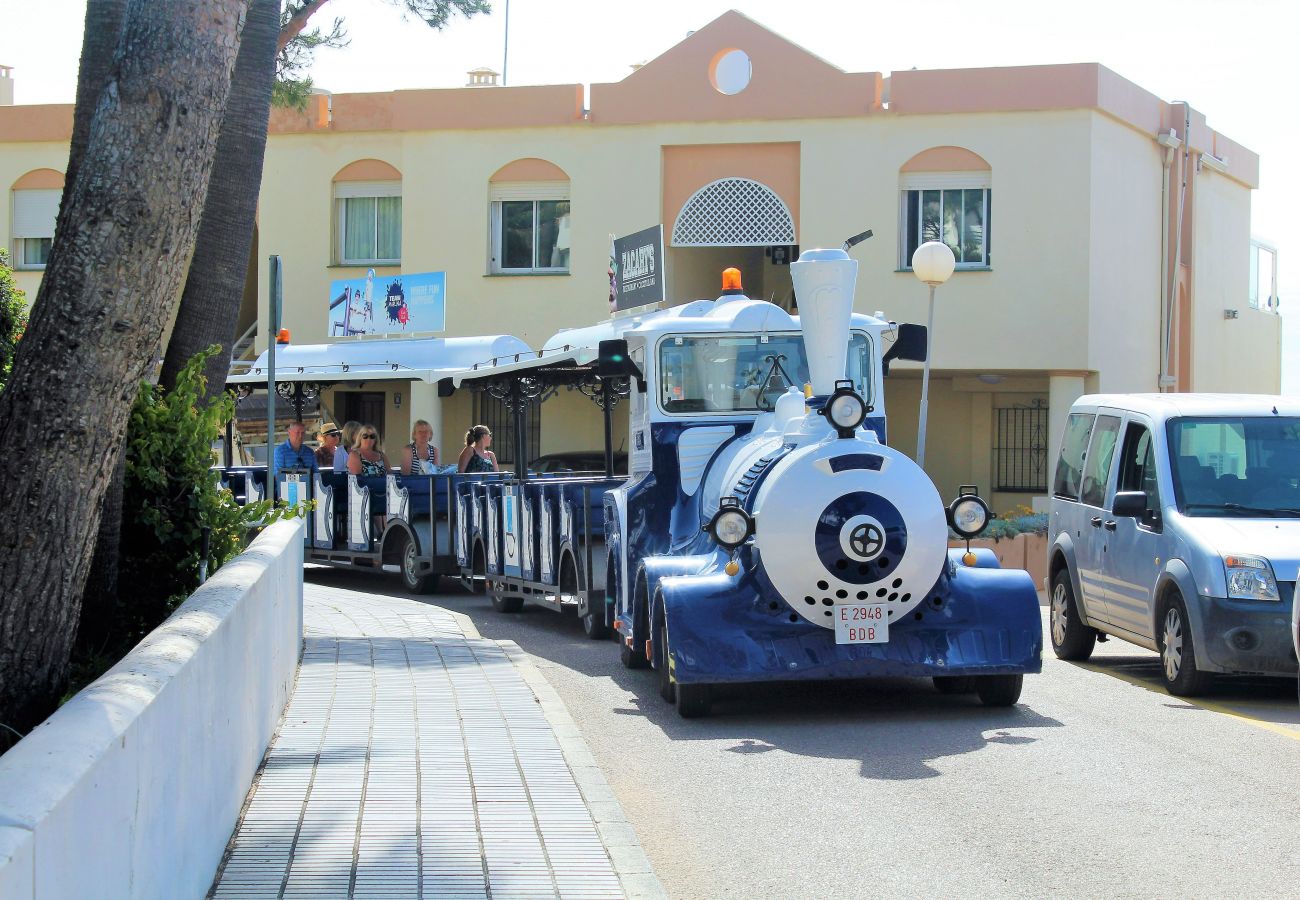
[943, 181]
[1256, 296]
[34, 213]
[519, 192]
[355, 190]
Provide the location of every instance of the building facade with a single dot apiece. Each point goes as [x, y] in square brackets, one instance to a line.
[1102, 234]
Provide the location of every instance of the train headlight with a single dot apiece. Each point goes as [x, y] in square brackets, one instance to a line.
[730, 526]
[968, 515]
[845, 410]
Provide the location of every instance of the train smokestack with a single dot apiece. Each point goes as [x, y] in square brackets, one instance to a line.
[824, 282]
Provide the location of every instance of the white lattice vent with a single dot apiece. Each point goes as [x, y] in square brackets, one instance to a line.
[734, 212]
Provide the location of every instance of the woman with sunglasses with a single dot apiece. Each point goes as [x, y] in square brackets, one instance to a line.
[476, 457]
[366, 458]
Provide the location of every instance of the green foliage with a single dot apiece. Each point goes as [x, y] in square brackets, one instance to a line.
[171, 494]
[13, 318]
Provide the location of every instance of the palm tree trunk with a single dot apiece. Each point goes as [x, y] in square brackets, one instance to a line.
[209, 310]
[124, 237]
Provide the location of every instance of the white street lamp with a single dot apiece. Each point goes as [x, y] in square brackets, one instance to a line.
[932, 263]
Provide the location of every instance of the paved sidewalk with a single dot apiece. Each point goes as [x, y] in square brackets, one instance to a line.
[418, 760]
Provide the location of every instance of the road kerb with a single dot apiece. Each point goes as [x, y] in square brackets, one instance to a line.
[635, 873]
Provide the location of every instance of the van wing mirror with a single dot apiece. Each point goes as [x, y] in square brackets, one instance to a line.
[1130, 504]
[912, 343]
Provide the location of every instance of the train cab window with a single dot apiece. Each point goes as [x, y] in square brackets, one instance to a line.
[744, 373]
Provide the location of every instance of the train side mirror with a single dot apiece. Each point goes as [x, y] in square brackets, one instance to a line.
[614, 361]
[912, 343]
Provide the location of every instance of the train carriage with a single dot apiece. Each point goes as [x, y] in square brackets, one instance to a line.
[765, 529]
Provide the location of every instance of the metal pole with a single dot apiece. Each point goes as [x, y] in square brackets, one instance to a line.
[609, 426]
[229, 449]
[925, 384]
[505, 53]
[273, 332]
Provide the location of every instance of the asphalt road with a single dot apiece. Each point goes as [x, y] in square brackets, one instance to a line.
[1097, 784]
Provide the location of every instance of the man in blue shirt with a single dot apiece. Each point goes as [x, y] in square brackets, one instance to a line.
[292, 454]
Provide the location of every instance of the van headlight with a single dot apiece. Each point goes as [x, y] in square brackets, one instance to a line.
[1250, 578]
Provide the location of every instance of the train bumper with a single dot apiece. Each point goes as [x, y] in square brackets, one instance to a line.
[976, 621]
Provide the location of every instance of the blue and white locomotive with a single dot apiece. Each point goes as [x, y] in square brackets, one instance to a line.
[765, 530]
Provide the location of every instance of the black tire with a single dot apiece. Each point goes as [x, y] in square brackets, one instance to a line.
[998, 690]
[507, 604]
[416, 584]
[1178, 652]
[633, 657]
[953, 684]
[694, 700]
[593, 624]
[667, 688]
[477, 583]
[1071, 639]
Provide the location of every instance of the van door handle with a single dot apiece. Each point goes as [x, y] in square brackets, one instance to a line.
[1110, 525]
[1096, 521]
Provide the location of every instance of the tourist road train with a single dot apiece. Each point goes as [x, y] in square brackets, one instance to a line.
[765, 530]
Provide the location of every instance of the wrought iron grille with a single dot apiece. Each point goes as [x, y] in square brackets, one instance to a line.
[1020, 447]
[493, 412]
[734, 212]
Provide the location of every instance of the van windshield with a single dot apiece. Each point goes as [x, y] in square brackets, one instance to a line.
[1247, 467]
[744, 373]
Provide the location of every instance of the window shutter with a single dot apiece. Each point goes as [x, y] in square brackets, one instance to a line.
[933, 181]
[346, 190]
[35, 212]
[528, 190]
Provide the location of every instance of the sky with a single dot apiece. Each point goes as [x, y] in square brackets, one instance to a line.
[1233, 60]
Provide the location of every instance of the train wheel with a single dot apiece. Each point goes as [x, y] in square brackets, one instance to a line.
[952, 684]
[694, 700]
[416, 584]
[667, 689]
[633, 657]
[998, 690]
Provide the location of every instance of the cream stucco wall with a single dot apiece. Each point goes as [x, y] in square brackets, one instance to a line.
[16, 160]
[1235, 355]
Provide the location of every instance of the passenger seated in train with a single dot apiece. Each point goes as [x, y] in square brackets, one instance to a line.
[293, 454]
[420, 456]
[329, 437]
[367, 458]
[476, 457]
[346, 446]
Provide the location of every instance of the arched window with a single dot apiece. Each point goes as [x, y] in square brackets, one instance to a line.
[532, 218]
[734, 212]
[947, 195]
[35, 207]
[368, 214]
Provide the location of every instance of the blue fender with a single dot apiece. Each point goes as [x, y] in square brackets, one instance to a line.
[976, 621]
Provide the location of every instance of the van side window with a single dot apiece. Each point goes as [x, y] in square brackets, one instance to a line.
[1069, 468]
[1100, 453]
[1137, 470]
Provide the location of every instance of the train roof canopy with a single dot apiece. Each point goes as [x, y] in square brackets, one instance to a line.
[422, 359]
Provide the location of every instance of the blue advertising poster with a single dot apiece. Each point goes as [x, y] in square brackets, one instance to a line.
[391, 304]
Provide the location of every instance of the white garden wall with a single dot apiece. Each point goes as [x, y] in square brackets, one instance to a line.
[133, 787]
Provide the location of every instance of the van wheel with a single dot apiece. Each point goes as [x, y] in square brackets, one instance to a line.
[416, 584]
[953, 684]
[1178, 655]
[998, 690]
[1071, 639]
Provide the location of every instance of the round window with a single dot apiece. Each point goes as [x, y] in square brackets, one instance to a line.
[730, 71]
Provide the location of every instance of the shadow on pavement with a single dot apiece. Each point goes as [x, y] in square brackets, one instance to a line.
[905, 724]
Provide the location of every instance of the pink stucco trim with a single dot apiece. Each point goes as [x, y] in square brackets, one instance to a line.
[530, 169]
[689, 168]
[40, 179]
[946, 159]
[676, 86]
[368, 170]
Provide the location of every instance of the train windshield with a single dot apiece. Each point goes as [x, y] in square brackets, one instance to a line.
[744, 373]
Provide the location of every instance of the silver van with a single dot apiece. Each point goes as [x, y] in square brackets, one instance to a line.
[1175, 525]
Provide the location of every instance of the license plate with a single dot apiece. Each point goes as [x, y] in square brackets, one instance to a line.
[861, 623]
